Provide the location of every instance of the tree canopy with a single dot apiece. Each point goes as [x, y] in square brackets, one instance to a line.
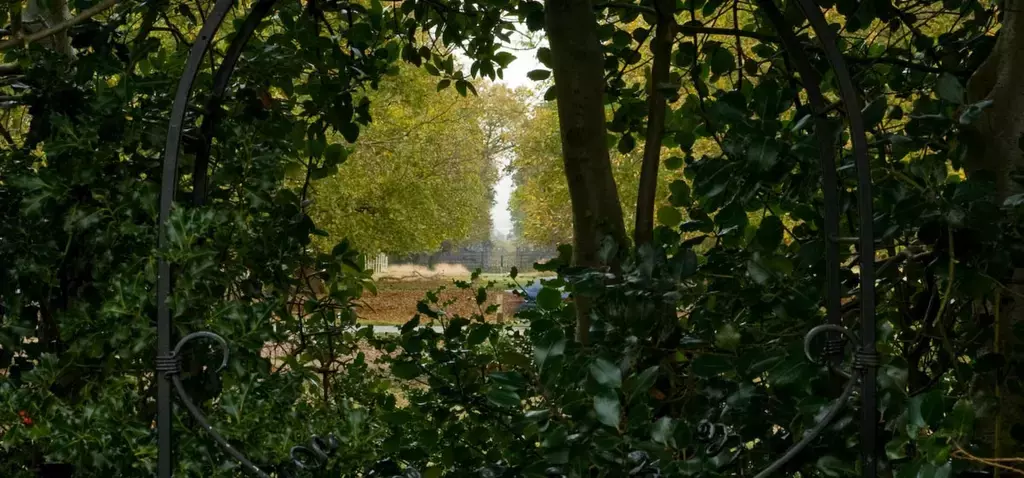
[421, 174]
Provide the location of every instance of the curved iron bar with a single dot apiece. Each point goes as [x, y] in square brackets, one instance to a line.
[168, 185]
[220, 84]
[827, 160]
[867, 356]
[318, 448]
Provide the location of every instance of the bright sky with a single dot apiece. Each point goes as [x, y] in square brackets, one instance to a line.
[514, 77]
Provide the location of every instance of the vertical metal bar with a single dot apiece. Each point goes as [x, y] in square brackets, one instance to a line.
[827, 160]
[869, 366]
[169, 182]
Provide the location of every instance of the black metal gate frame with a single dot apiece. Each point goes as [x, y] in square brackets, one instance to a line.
[315, 454]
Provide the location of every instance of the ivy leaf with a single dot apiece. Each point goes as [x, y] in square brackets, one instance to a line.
[606, 373]
[607, 408]
[673, 163]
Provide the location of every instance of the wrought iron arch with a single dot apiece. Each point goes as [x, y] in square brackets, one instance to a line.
[865, 358]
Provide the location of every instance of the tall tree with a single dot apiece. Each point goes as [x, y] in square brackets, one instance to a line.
[578, 67]
[422, 173]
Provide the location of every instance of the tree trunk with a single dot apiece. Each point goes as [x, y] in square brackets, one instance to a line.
[643, 232]
[998, 129]
[41, 14]
[578, 65]
[995, 154]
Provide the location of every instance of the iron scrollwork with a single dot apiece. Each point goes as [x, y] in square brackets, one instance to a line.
[716, 435]
[312, 456]
[833, 409]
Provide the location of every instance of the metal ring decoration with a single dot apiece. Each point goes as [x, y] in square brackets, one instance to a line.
[319, 449]
[197, 414]
[832, 409]
[716, 435]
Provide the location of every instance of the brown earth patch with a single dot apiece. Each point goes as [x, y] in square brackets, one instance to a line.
[395, 301]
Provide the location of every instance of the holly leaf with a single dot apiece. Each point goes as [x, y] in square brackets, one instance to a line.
[503, 397]
[711, 365]
[679, 193]
[608, 409]
[669, 216]
[549, 298]
[539, 75]
[606, 373]
[769, 233]
[662, 432]
[949, 88]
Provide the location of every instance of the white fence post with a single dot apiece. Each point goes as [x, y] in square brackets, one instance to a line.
[377, 263]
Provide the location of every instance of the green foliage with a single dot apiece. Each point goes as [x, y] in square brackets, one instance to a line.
[421, 174]
[695, 364]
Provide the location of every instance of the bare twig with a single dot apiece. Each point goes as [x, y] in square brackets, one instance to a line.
[81, 17]
[9, 69]
[993, 462]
